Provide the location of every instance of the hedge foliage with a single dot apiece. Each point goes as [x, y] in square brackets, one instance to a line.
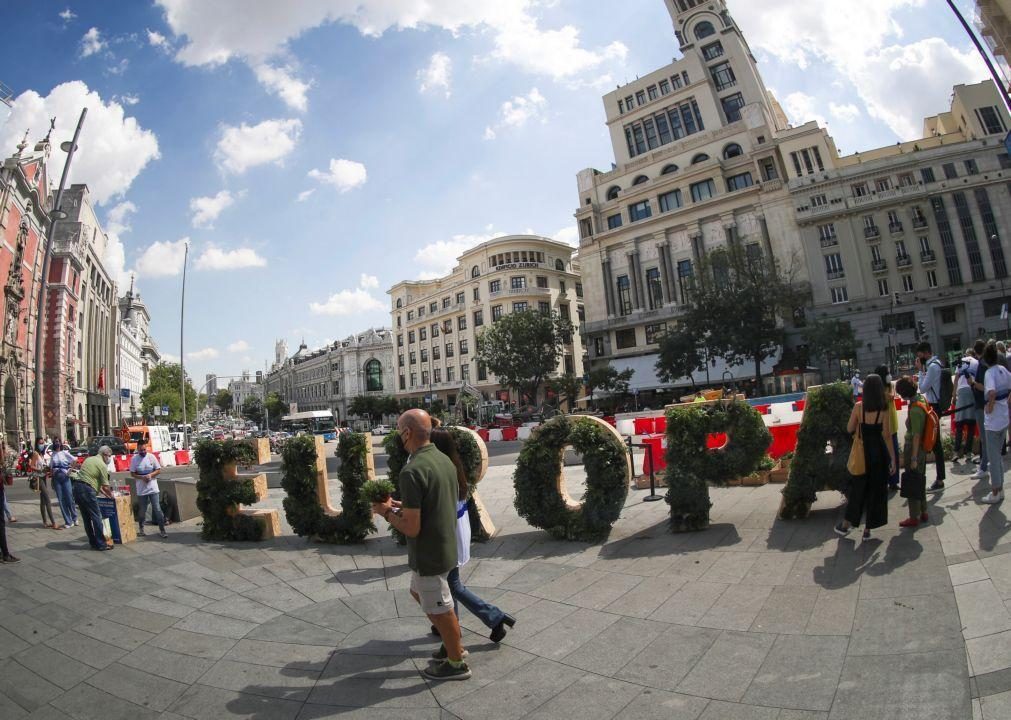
[692, 467]
[826, 415]
[218, 498]
[605, 458]
[302, 507]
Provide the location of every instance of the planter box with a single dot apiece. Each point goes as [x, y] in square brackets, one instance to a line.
[756, 479]
[779, 475]
[735, 482]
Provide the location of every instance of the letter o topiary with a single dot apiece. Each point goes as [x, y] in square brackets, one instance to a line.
[219, 497]
[541, 498]
[304, 479]
[692, 467]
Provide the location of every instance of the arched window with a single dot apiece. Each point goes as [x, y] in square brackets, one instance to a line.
[612, 192]
[704, 30]
[731, 151]
[559, 266]
[701, 157]
[373, 376]
[400, 303]
[640, 179]
[475, 272]
[668, 169]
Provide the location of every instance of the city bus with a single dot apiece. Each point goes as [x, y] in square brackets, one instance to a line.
[317, 422]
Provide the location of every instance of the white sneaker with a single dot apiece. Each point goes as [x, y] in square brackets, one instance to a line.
[994, 497]
[980, 475]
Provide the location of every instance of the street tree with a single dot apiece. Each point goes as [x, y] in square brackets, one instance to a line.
[224, 400]
[523, 349]
[275, 408]
[252, 409]
[566, 388]
[831, 340]
[163, 390]
[679, 355]
[374, 407]
[609, 380]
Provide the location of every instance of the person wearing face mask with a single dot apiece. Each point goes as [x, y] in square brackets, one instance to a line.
[40, 482]
[144, 469]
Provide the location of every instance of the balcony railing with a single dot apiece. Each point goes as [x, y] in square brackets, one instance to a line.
[903, 261]
[829, 241]
[872, 232]
[879, 266]
[895, 228]
[836, 274]
[919, 222]
[928, 257]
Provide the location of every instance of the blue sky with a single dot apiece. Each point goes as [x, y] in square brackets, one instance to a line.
[315, 153]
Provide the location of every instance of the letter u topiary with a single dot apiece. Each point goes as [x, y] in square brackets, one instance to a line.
[307, 503]
[826, 415]
[692, 467]
[219, 497]
[541, 498]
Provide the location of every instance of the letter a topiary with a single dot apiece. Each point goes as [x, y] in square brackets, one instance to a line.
[219, 497]
[307, 504]
[826, 415]
[541, 498]
[692, 467]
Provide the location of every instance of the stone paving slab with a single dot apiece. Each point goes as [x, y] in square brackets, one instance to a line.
[754, 618]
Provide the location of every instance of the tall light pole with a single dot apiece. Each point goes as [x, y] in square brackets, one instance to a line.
[982, 52]
[56, 214]
[182, 365]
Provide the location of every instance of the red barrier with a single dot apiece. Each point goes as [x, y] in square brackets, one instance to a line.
[182, 457]
[784, 440]
[645, 426]
[799, 405]
[763, 409]
[660, 426]
[610, 420]
[509, 433]
[483, 433]
[122, 462]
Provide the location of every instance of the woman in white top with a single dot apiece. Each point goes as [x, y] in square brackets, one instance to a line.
[996, 389]
[487, 613]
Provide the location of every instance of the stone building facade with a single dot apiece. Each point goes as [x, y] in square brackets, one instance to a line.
[242, 389]
[138, 354]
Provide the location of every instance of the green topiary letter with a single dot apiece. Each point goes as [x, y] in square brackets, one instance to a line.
[219, 496]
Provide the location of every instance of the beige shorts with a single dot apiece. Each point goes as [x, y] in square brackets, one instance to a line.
[433, 592]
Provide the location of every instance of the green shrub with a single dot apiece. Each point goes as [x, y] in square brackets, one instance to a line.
[218, 498]
[377, 491]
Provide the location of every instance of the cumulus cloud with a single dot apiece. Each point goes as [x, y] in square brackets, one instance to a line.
[207, 209]
[286, 86]
[117, 223]
[568, 235]
[439, 258]
[156, 39]
[343, 174]
[238, 346]
[128, 99]
[214, 258]
[305, 194]
[169, 358]
[67, 15]
[345, 303]
[802, 108]
[92, 42]
[113, 150]
[208, 353]
[162, 259]
[518, 112]
[437, 75]
[844, 113]
[246, 146]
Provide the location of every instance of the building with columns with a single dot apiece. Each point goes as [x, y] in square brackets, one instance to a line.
[437, 322]
[242, 389]
[138, 354]
[701, 152]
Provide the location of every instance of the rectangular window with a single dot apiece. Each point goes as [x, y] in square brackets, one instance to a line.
[685, 278]
[478, 318]
[477, 294]
[413, 357]
[712, 51]
[450, 374]
[621, 107]
[883, 184]
[423, 334]
[969, 236]
[424, 355]
[435, 330]
[410, 337]
[563, 312]
[839, 295]
[461, 322]
[947, 241]
[465, 372]
[739, 182]
[518, 282]
[654, 289]
[931, 279]
[769, 171]
[655, 332]
[640, 139]
[834, 266]
[433, 307]
[906, 180]
[495, 286]
[883, 287]
[732, 107]
[664, 87]
[670, 201]
[449, 349]
[482, 372]
[461, 298]
[436, 353]
[614, 221]
[400, 360]
[949, 171]
[907, 283]
[991, 120]
[579, 290]
[624, 295]
[827, 232]
[410, 315]
[806, 157]
[662, 128]
[598, 346]
[927, 175]
[651, 91]
[542, 281]
[723, 76]
[639, 211]
[704, 190]
[496, 313]
[650, 128]
[446, 302]
[463, 347]
[544, 307]
[971, 168]
[859, 190]
[993, 237]
[424, 377]
[629, 102]
[400, 341]
[640, 97]
[421, 312]
[414, 379]
[625, 338]
[403, 383]
[818, 200]
[521, 307]
[949, 315]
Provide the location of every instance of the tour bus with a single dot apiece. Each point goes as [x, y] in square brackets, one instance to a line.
[317, 422]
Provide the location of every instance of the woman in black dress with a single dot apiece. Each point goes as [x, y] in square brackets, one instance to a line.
[868, 497]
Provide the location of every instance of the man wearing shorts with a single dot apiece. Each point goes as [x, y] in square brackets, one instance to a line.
[426, 515]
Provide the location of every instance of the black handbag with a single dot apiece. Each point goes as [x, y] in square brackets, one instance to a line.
[914, 485]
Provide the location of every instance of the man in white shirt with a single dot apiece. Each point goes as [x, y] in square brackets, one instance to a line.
[997, 386]
[858, 385]
[145, 468]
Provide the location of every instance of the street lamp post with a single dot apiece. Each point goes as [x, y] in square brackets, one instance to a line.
[56, 214]
[182, 366]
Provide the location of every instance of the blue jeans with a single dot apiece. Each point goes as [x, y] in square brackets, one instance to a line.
[994, 441]
[156, 513]
[8, 512]
[65, 496]
[984, 460]
[87, 501]
[482, 610]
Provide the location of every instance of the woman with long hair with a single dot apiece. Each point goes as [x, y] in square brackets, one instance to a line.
[868, 498]
[40, 478]
[487, 613]
[893, 415]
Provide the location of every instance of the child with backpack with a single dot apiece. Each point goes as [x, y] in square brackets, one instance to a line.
[922, 426]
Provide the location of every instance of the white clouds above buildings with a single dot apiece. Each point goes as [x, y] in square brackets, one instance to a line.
[238, 346]
[92, 42]
[568, 235]
[207, 209]
[846, 113]
[349, 303]
[345, 175]
[368, 282]
[518, 112]
[439, 258]
[246, 146]
[214, 258]
[207, 353]
[437, 75]
[162, 259]
[117, 222]
[113, 149]
[801, 108]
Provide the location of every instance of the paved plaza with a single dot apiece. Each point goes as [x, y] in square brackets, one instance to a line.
[753, 619]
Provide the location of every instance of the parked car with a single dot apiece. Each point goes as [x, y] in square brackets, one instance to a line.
[380, 430]
[90, 447]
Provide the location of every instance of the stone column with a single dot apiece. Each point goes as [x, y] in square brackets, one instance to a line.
[766, 240]
[672, 272]
[605, 270]
[633, 274]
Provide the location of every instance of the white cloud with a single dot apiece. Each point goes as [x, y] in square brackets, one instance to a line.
[844, 113]
[169, 358]
[801, 108]
[518, 112]
[348, 302]
[208, 353]
[67, 15]
[343, 174]
[207, 209]
[286, 86]
[214, 258]
[437, 75]
[305, 194]
[439, 258]
[156, 39]
[246, 146]
[129, 100]
[212, 36]
[92, 42]
[238, 346]
[162, 259]
[117, 222]
[113, 148]
[568, 235]
[368, 282]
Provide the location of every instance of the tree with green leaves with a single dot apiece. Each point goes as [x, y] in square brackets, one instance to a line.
[374, 407]
[252, 409]
[164, 389]
[224, 400]
[831, 340]
[566, 388]
[679, 356]
[275, 408]
[609, 380]
[523, 349]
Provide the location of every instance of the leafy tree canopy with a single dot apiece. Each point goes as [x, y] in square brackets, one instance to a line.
[523, 349]
[164, 389]
[224, 400]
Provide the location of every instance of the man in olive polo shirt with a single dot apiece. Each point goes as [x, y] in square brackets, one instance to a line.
[92, 479]
[426, 515]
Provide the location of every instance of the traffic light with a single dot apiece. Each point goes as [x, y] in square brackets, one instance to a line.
[921, 330]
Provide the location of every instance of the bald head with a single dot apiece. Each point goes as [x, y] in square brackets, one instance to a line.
[415, 427]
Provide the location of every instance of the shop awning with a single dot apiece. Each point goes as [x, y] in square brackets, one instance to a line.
[644, 375]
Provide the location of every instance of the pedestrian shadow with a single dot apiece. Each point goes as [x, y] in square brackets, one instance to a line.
[992, 527]
[851, 560]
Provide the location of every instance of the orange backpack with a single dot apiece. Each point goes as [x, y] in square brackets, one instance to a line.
[930, 428]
